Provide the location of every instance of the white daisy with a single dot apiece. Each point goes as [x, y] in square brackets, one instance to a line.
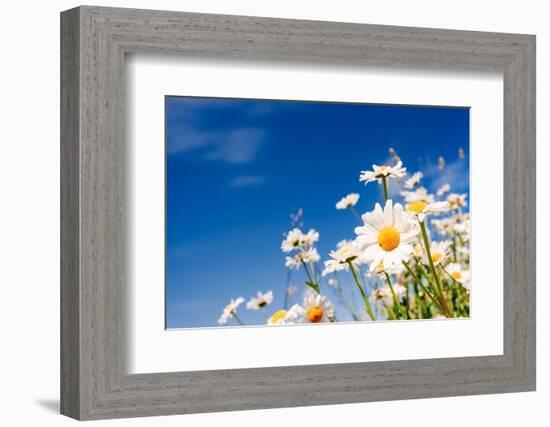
[381, 269]
[230, 310]
[260, 300]
[460, 275]
[382, 297]
[344, 243]
[464, 251]
[386, 236]
[292, 240]
[443, 225]
[296, 239]
[421, 208]
[400, 291]
[462, 227]
[286, 317]
[310, 238]
[444, 189]
[439, 251]
[311, 255]
[308, 256]
[317, 308]
[348, 201]
[379, 172]
[293, 262]
[419, 195]
[346, 252]
[414, 180]
[457, 200]
[418, 250]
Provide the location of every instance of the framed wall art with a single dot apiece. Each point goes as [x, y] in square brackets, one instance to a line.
[261, 213]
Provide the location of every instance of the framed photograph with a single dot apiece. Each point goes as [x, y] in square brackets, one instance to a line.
[261, 213]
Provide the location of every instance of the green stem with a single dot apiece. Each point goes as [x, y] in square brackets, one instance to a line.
[314, 272]
[424, 271]
[385, 185]
[408, 301]
[312, 284]
[234, 314]
[396, 302]
[434, 272]
[418, 281]
[346, 301]
[365, 299]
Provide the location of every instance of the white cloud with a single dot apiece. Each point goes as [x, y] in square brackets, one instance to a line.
[192, 129]
[246, 181]
[189, 139]
[237, 146]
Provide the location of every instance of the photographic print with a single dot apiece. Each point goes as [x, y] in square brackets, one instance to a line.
[308, 212]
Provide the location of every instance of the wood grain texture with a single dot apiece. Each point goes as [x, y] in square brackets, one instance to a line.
[94, 382]
[70, 292]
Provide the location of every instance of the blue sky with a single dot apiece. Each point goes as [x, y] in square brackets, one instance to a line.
[236, 169]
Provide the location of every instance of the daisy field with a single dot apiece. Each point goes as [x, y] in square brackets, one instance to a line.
[295, 212]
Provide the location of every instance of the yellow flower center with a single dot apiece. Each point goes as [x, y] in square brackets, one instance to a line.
[457, 275]
[417, 207]
[381, 172]
[315, 314]
[388, 238]
[281, 314]
[436, 257]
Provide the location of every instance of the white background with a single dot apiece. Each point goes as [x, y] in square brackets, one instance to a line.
[152, 349]
[29, 233]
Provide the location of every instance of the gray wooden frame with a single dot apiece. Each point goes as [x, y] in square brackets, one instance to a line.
[94, 41]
